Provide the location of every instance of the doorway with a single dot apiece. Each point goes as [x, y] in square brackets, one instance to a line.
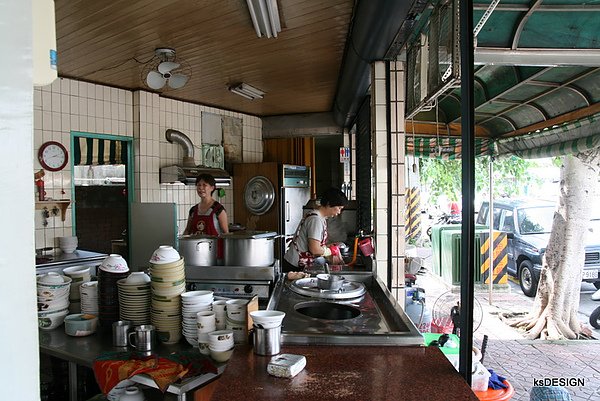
[102, 187]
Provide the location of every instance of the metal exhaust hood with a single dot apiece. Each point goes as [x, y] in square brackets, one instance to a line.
[187, 172]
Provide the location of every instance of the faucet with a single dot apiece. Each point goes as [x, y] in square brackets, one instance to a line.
[326, 267]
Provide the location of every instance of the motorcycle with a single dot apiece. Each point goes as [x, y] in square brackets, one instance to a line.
[595, 315]
[444, 218]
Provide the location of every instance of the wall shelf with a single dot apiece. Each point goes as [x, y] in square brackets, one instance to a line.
[62, 204]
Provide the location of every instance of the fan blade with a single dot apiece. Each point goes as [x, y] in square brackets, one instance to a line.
[167, 66]
[155, 80]
[177, 81]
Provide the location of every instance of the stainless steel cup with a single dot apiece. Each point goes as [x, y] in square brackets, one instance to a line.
[144, 338]
[120, 331]
[267, 341]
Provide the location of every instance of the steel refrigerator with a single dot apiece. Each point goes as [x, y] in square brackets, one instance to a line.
[295, 193]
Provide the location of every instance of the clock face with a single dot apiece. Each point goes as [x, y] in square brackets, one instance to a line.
[53, 156]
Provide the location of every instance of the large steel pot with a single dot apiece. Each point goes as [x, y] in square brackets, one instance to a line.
[249, 248]
[198, 250]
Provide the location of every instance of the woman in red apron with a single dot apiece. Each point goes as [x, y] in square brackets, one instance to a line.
[310, 240]
[208, 217]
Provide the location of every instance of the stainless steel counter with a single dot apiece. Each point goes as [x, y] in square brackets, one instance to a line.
[83, 351]
[59, 258]
[373, 318]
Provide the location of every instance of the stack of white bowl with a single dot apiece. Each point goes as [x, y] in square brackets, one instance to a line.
[134, 298]
[89, 297]
[219, 307]
[67, 244]
[237, 321]
[220, 345]
[193, 302]
[167, 273]
[79, 275]
[52, 299]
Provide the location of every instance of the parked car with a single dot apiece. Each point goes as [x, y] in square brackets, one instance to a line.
[528, 224]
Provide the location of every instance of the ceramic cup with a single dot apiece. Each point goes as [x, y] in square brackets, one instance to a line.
[206, 321]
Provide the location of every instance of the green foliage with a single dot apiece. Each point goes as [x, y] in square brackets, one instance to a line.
[443, 177]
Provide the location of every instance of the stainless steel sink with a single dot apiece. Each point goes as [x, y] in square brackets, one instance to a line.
[318, 317]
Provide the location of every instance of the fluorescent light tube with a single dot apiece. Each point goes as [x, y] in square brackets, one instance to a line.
[265, 17]
[247, 91]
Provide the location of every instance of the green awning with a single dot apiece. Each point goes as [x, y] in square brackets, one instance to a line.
[565, 139]
[95, 151]
[446, 148]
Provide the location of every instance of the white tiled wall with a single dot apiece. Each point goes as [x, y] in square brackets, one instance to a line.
[68, 105]
[379, 149]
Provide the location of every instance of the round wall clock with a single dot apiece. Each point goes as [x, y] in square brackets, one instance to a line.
[53, 156]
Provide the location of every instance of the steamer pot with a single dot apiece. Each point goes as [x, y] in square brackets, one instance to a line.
[249, 248]
[198, 250]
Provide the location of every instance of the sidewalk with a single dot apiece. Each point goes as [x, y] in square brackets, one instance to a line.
[519, 360]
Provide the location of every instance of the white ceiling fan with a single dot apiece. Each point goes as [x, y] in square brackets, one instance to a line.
[166, 69]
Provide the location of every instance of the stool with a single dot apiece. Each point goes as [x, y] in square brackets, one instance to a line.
[549, 393]
[502, 394]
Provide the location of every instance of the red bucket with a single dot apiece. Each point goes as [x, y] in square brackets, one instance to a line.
[366, 246]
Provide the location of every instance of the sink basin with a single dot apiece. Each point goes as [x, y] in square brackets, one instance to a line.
[327, 310]
[368, 317]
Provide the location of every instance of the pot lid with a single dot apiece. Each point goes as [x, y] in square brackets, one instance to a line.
[250, 234]
[259, 195]
[309, 287]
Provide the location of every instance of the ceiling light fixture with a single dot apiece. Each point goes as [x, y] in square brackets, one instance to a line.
[247, 91]
[265, 17]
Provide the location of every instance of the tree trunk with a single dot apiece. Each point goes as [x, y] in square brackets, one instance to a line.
[554, 312]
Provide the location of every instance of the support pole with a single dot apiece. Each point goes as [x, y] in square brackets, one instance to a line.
[467, 105]
[491, 229]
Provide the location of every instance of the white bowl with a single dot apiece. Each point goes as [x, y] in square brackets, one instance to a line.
[77, 271]
[268, 319]
[137, 278]
[49, 321]
[51, 278]
[220, 356]
[197, 297]
[67, 241]
[165, 254]
[80, 324]
[114, 263]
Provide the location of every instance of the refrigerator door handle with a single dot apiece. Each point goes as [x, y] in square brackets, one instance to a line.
[287, 211]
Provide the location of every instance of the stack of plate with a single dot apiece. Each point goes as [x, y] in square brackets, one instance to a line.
[193, 302]
[134, 298]
[167, 273]
[89, 297]
[111, 270]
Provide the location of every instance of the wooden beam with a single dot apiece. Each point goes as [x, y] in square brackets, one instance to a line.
[426, 128]
[573, 115]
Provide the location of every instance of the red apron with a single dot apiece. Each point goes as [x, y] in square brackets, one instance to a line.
[205, 224]
[306, 259]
